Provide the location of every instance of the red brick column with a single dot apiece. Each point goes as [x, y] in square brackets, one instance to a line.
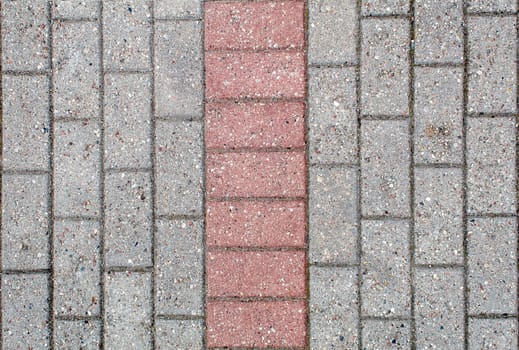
[255, 174]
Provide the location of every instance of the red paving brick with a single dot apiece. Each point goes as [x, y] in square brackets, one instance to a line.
[256, 224]
[256, 324]
[257, 25]
[249, 124]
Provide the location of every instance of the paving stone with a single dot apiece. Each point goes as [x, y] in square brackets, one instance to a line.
[127, 112]
[439, 31]
[385, 66]
[332, 32]
[386, 281]
[438, 217]
[491, 178]
[178, 8]
[333, 231]
[77, 247]
[76, 168]
[492, 44]
[439, 308]
[379, 334]
[178, 177]
[126, 34]
[491, 5]
[179, 267]
[492, 274]
[438, 115]
[179, 334]
[385, 158]
[25, 122]
[492, 334]
[76, 69]
[25, 312]
[384, 7]
[178, 69]
[25, 222]
[25, 35]
[332, 123]
[76, 9]
[128, 310]
[333, 308]
[73, 335]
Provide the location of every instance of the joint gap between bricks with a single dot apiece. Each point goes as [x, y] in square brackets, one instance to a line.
[129, 269]
[74, 20]
[383, 117]
[177, 19]
[517, 161]
[491, 115]
[178, 217]
[1, 189]
[180, 118]
[333, 65]
[492, 14]
[63, 119]
[502, 316]
[438, 165]
[127, 170]
[385, 218]
[334, 265]
[75, 318]
[126, 72]
[490, 215]
[438, 266]
[26, 271]
[23, 172]
[306, 24]
[438, 65]
[173, 317]
[384, 318]
[204, 182]
[75, 218]
[29, 73]
[335, 165]
[386, 16]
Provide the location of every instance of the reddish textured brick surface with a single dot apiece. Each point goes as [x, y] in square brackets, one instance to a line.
[255, 74]
[256, 324]
[256, 274]
[249, 124]
[256, 224]
[254, 25]
[274, 174]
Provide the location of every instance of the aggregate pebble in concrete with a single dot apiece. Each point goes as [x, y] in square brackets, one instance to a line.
[25, 312]
[385, 66]
[25, 122]
[333, 308]
[128, 221]
[179, 266]
[439, 309]
[25, 222]
[385, 158]
[438, 115]
[128, 310]
[332, 119]
[179, 334]
[178, 68]
[438, 216]
[492, 334]
[76, 9]
[386, 280]
[333, 215]
[492, 44]
[492, 269]
[491, 5]
[126, 34]
[127, 112]
[74, 335]
[332, 32]
[177, 8]
[25, 35]
[76, 168]
[76, 68]
[379, 334]
[491, 178]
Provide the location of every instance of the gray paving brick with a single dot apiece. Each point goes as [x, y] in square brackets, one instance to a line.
[491, 5]
[126, 34]
[178, 8]
[333, 308]
[385, 66]
[25, 222]
[127, 121]
[128, 220]
[178, 68]
[492, 334]
[439, 31]
[438, 216]
[76, 268]
[179, 267]
[332, 120]
[179, 334]
[378, 335]
[333, 222]
[492, 273]
[491, 174]
[439, 309]
[385, 263]
[332, 31]
[75, 9]
[384, 7]
[25, 122]
[25, 312]
[438, 115]
[385, 158]
[76, 168]
[76, 69]
[128, 311]
[25, 35]
[73, 335]
[179, 167]
[492, 70]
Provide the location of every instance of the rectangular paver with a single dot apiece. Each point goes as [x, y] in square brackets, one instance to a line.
[381, 334]
[177, 9]
[179, 334]
[492, 334]
[73, 335]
